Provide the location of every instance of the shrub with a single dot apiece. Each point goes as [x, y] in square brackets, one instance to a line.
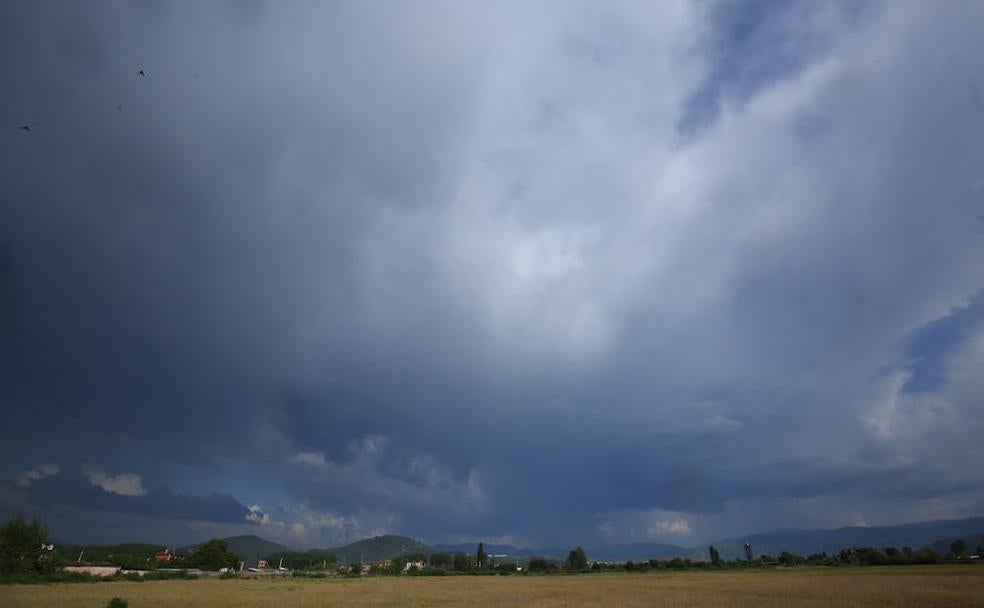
[33, 578]
[117, 602]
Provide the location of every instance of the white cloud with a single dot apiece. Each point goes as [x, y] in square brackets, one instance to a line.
[314, 459]
[256, 515]
[638, 525]
[38, 472]
[125, 484]
[675, 527]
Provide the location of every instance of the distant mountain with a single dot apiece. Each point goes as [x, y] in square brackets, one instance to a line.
[804, 542]
[249, 547]
[801, 542]
[380, 548]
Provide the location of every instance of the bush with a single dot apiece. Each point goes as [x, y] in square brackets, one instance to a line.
[34, 578]
[308, 574]
[117, 602]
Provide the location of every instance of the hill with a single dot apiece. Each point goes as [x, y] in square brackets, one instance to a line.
[249, 547]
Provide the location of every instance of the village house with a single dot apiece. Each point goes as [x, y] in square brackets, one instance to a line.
[165, 556]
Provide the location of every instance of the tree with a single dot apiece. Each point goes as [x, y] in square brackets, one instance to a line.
[441, 560]
[715, 556]
[538, 564]
[817, 558]
[926, 555]
[480, 556]
[21, 546]
[213, 555]
[577, 559]
[958, 547]
[461, 562]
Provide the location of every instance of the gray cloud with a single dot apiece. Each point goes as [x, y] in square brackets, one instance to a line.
[527, 271]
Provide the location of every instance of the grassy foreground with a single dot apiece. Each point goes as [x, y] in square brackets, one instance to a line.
[916, 586]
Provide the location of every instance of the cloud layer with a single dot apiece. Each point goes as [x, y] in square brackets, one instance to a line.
[557, 273]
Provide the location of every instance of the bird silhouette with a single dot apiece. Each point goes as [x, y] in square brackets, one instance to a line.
[141, 73]
[25, 128]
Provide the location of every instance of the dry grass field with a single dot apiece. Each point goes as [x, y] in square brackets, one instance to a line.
[915, 587]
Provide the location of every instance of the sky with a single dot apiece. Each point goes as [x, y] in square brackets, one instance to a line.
[539, 273]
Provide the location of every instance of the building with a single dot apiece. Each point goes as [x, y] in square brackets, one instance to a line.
[418, 563]
[94, 568]
[168, 556]
[385, 564]
[164, 556]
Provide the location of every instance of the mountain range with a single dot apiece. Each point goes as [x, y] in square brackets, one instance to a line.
[802, 542]
[937, 533]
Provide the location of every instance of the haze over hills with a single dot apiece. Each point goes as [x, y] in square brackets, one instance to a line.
[633, 551]
[803, 542]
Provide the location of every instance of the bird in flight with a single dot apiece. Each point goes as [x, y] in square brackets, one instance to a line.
[141, 73]
[25, 128]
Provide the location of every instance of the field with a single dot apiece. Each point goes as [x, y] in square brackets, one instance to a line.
[916, 586]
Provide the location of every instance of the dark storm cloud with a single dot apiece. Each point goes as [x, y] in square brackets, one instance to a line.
[454, 271]
[73, 487]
